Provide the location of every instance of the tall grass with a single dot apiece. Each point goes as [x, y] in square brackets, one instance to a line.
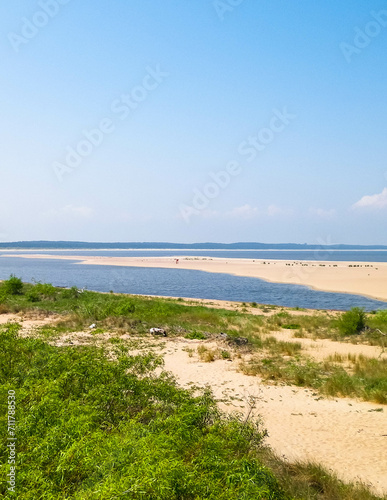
[367, 381]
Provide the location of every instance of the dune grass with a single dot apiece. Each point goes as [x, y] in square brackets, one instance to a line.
[367, 378]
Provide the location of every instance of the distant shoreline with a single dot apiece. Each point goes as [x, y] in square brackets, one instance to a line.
[322, 249]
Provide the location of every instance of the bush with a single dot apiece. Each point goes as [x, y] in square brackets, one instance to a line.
[42, 291]
[13, 286]
[381, 316]
[352, 322]
[195, 335]
[71, 293]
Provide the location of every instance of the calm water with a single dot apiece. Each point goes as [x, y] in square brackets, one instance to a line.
[177, 282]
[328, 255]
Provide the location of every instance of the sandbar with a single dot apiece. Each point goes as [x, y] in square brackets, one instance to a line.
[360, 278]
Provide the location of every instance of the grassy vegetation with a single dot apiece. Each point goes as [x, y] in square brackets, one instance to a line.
[367, 381]
[93, 428]
[96, 423]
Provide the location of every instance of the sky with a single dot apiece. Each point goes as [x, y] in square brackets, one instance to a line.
[192, 121]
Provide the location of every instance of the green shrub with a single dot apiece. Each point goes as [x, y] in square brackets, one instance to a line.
[13, 286]
[352, 322]
[42, 291]
[70, 293]
[195, 335]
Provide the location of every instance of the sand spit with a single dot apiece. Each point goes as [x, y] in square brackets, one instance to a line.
[360, 278]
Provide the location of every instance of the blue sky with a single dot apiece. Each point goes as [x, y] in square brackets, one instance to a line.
[135, 121]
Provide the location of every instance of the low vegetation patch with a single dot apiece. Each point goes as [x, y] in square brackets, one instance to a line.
[352, 322]
[367, 378]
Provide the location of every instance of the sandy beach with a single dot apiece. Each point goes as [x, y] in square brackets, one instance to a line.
[361, 278]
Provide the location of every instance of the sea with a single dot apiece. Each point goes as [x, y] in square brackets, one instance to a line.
[188, 283]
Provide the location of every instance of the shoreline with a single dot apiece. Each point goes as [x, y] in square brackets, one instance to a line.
[367, 279]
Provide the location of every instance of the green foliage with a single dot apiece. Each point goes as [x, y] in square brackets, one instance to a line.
[41, 292]
[92, 428]
[195, 335]
[71, 293]
[12, 286]
[381, 316]
[378, 321]
[352, 322]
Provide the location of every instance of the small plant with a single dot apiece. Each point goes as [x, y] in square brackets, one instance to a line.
[195, 335]
[189, 351]
[206, 355]
[352, 322]
[225, 355]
